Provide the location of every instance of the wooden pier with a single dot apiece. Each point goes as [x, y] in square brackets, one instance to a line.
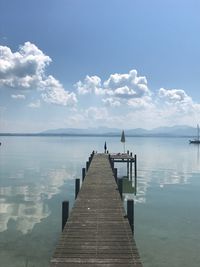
[97, 232]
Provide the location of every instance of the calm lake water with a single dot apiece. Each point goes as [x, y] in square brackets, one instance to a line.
[37, 174]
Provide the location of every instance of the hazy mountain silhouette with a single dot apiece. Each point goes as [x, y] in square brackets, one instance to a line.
[177, 130]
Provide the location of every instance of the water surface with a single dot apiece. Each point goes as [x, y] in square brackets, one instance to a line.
[37, 174]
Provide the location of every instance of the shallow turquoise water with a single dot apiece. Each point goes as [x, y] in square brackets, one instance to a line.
[37, 174]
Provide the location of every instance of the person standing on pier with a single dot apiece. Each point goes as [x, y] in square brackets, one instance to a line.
[105, 147]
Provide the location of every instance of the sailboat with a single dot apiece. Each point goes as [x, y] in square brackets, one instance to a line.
[197, 140]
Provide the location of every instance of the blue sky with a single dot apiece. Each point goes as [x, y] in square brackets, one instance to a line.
[125, 64]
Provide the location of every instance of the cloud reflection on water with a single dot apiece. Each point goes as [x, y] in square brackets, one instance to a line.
[157, 177]
[25, 203]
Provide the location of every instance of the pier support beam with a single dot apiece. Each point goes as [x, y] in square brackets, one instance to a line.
[65, 213]
[130, 213]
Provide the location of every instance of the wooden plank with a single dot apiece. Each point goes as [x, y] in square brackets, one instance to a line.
[97, 232]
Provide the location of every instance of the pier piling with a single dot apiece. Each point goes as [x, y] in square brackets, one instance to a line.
[87, 165]
[120, 186]
[135, 169]
[83, 174]
[115, 174]
[65, 213]
[77, 187]
[130, 213]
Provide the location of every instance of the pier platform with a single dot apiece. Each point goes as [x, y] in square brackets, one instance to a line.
[97, 232]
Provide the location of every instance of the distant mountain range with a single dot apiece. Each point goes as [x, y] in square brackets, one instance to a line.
[174, 131]
[180, 130]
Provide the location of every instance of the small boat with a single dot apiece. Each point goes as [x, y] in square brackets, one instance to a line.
[197, 140]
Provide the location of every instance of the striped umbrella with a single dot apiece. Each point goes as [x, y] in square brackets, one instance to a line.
[123, 139]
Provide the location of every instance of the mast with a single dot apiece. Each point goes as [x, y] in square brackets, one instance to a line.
[198, 132]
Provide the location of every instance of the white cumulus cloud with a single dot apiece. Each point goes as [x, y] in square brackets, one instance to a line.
[35, 104]
[178, 100]
[174, 95]
[117, 89]
[97, 114]
[141, 103]
[110, 102]
[26, 69]
[178, 106]
[91, 84]
[55, 93]
[23, 69]
[18, 96]
[128, 85]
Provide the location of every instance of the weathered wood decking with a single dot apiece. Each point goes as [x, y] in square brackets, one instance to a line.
[97, 233]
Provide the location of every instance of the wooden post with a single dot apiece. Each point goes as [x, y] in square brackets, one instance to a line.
[87, 165]
[128, 168]
[77, 187]
[110, 160]
[135, 164]
[92, 155]
[89, 160]
[135, 159]
[83, 174]
[65, 213]
[128, 152]
[112, 164]
[131, 169]
[115, 174]
[130, 213]
[120, 186]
